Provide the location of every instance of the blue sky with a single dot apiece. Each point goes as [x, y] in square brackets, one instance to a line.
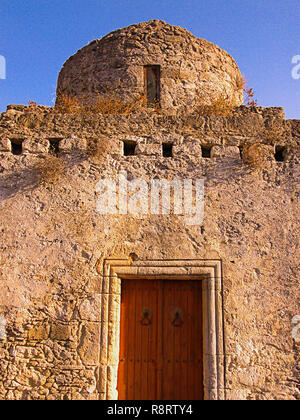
[37, 36]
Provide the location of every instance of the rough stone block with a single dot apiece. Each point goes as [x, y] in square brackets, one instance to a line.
[5, 145]
[38, 333]
[72, 144]
[189, 148]
[89, 343]
[35, 146]
[232, 152]
[115, 146]
[90, 309]
[149, 149]
[60, 332]
[258, 154]
[235, 140]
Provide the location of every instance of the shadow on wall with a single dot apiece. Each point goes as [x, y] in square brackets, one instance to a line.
[45, 172]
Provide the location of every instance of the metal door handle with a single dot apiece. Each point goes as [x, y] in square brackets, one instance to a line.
[146, 320]
[177, 322]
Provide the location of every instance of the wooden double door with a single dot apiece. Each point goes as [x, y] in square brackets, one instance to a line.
[161, 347]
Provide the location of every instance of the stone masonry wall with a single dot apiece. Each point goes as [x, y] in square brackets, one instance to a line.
[193, 70]
[52, 331]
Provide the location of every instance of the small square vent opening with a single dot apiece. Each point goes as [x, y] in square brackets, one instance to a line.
[206, 152]
[16, 146]
[167, 149]
[129, 148]
[280, 153]
[54, 147]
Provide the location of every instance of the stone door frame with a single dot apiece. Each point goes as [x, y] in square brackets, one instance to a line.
[209, 272]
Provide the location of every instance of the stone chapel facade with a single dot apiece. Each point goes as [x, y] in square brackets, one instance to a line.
[134, 305]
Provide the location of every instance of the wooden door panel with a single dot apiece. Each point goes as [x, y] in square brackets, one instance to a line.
[182, 343]
[161, 340]
[138, 347]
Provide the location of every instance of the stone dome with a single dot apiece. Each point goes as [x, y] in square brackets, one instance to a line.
[166, 63]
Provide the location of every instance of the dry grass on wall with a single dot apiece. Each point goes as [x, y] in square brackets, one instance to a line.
[109, 104]
[49, 170]
[222, 106]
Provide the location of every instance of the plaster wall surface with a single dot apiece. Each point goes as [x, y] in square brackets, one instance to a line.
[55, 308]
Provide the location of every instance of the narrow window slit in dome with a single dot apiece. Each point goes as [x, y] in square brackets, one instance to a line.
[152, 85]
